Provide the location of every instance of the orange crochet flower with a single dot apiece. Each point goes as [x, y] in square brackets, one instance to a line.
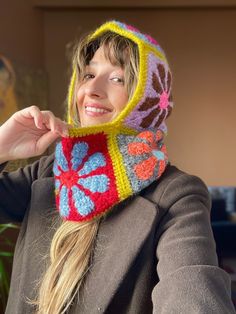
[156, 154]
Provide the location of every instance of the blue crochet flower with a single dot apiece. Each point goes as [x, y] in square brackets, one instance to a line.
[75, 174]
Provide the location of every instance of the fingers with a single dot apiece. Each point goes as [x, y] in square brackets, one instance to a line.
[32, 112]
[55, 124]
[46, 120]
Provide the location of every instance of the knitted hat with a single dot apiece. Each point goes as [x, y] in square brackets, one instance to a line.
[98, 166]
[152, 102]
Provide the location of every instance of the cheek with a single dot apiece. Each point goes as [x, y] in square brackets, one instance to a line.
[79, 97]
[122, 100]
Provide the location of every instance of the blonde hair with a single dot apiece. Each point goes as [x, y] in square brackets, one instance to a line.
[73, 242]
[70, 259]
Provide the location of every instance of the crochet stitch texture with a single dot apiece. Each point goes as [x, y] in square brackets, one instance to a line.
[99, 166]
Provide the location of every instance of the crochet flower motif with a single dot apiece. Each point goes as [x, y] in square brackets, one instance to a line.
[145, 169]
[160, 104]
[73, 177]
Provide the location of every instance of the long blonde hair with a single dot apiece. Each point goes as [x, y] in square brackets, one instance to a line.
[73, 242]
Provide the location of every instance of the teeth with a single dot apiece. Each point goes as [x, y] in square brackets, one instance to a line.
[95, 109]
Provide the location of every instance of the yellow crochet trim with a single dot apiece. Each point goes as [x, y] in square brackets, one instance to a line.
[112, 26]
[144, 50]
[75, 132]
[70, 95]
[123, 184]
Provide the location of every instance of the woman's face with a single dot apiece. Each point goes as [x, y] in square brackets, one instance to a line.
[101, 95]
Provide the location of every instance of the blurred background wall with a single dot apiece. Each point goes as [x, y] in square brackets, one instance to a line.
[199, 40]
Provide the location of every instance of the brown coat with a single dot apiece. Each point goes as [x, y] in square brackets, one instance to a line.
[154, 253]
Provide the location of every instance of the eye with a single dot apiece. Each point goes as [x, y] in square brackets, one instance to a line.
[87, 76]
[118, 79]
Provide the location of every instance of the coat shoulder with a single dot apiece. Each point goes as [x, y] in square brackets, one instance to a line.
[173, 185]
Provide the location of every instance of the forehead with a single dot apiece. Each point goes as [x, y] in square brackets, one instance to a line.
[107, 52]
[99, 55]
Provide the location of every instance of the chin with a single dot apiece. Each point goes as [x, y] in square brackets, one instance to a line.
[93, 122]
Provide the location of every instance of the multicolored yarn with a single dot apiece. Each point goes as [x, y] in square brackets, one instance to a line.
[99, 166]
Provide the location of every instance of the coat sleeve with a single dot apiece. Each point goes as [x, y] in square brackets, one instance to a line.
[190, 280]
[15, 189]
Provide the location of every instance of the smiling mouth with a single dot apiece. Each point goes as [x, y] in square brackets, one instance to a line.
[92, 111]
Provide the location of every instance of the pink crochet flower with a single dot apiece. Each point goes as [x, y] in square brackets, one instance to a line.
[161, 82]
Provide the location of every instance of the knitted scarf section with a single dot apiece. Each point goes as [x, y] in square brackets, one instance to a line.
[97, 167]
[95, 172]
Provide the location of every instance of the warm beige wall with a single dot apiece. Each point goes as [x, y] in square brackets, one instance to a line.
[202, 128]
[21, 32]
[201, 48]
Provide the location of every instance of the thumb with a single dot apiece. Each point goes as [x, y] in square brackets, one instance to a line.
[45, 141]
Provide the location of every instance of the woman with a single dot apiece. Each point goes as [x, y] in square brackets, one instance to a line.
[133, 234]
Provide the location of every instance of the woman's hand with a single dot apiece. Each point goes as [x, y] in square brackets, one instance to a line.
[28, 133]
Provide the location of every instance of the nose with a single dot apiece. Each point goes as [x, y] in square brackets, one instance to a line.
[95, 88]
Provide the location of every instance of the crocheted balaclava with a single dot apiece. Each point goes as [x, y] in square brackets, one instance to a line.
[99, 166]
